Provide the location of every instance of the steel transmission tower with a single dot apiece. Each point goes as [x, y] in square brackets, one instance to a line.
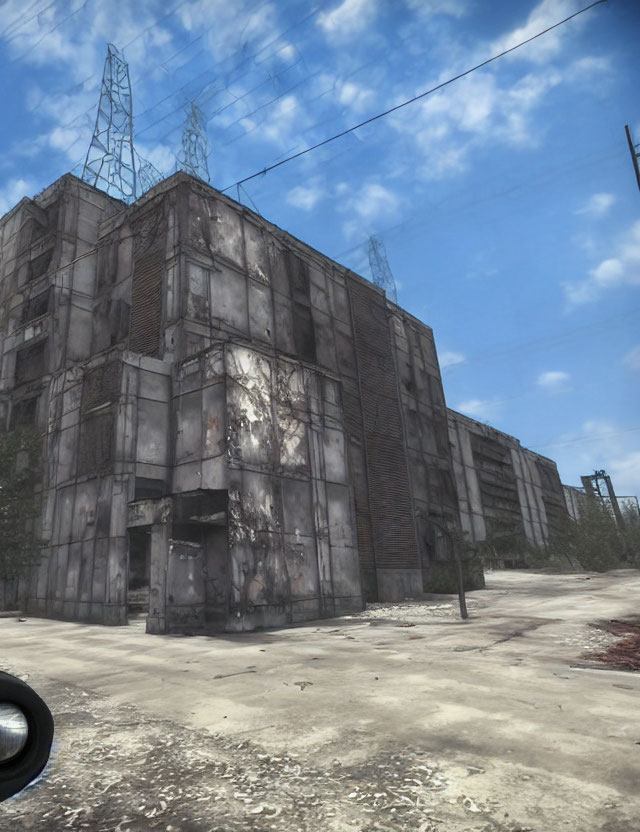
[380, 269]
[598, 486]
[194, 153]
[635, 153]
[110, 164]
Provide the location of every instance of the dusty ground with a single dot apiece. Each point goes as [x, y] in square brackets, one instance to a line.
[400, 718]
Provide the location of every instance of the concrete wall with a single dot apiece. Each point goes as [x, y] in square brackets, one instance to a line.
[505, 492]
[196, 349]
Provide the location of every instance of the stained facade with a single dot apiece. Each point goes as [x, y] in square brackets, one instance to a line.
[237, 431]
[507, 493]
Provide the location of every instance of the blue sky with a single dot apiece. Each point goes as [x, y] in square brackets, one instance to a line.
[507, 201]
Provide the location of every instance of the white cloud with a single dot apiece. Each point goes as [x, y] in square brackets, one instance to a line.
[354, 96]
[632, 358]
[553, 379]
[13, 192]
[597, 205]
[350, 17]
[449, 358]
[544, 15]
[623, 269]
[624, 471]
[371, 205]
[305, 198]
[595, 445]
[479, 408]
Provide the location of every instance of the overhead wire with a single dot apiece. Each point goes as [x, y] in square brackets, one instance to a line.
[411, 100]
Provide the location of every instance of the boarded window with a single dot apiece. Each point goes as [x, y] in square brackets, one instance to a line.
[95, 452]
[35, 307]
[30, 362]
[146, 304]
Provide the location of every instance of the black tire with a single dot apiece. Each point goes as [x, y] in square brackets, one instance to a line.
[19, 771]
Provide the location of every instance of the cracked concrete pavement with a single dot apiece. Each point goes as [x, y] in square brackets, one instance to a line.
[400, 717]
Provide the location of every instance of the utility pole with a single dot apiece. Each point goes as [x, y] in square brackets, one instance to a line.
[635, 153]
[380, 269]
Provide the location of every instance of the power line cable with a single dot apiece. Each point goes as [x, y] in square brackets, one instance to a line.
[591, 438]
[411, 100]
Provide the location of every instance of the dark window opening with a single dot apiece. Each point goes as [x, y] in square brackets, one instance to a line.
[303, 333]
[95, 452]
[24, 412]
[30, 363]
[35, 307]
[40, 265]
[139, 571]
[101, 384]
[187, 532]
[149, 489]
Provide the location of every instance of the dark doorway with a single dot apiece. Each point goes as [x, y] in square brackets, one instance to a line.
[139, 571]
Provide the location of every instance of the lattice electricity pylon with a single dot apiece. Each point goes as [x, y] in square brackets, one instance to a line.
[110, 163]
[635, 154]
[380, 269]
[194, 153]
[598, 486]
[147, 174]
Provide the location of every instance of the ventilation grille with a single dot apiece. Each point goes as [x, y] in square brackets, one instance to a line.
[389, 494]
[146, 304]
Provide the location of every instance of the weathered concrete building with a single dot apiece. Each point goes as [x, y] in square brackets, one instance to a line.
[507, 494]
[229, 418]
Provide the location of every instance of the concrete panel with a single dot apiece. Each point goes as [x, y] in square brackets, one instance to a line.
[297, 507]
[214, 364]
[154, 386]
[334, 456]
[71, 589]
[85, 580]
[339, 300]
[256, 254]
[215, 473]
[213, 412]
[399, 584]
[325, 340]
[188, 426]
[64, 514]
[152, 432]
[318, 293]
[229, 301]
[341, 532]
[80, 333]
[283, 325]
[198, 292]
[260, 313]
[226, 232]
[302, 567]
[66, 454]
[187, 477]
[345, 569]
[84, 511]
[118, 520]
